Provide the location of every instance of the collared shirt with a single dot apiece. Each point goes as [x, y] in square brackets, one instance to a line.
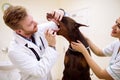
[114, 66]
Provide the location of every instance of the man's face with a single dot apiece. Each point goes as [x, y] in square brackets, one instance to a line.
[29, 26]
[116, 29]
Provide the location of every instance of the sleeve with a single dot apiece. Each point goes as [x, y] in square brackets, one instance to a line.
[49, 25]
[108, 50]
[29, 65]
[114, 70]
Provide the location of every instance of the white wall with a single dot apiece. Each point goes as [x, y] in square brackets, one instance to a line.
[102, 15]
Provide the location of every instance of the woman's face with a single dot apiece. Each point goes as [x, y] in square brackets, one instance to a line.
[116, 29]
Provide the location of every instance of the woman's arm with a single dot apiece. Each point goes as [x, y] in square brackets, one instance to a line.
[96, 50]
[99, 72]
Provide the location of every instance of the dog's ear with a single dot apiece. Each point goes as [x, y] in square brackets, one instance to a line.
[65, 20]
[77, 25]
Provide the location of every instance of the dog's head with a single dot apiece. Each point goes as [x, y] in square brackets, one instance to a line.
[67, 24]
[69, 28]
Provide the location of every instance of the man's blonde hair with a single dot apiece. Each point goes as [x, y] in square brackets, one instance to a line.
[13, 15]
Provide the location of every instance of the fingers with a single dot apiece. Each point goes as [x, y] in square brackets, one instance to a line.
[54, 33]
[74, 46]
[50, 37]
[46, 33]
[57, 15]
[49, 16]
[75, 43]
[77, 46]
[50, 32]
[61, 14]
[78, 41]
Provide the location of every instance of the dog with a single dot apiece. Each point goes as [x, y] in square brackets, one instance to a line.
[76, 66]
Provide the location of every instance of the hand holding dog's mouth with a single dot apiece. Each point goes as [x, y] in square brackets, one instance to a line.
[55, 30]
[51, 17]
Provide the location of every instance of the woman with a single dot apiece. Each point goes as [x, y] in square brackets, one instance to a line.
[112, 72]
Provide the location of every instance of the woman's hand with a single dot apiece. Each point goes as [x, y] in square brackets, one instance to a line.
[50, 37]
[78, 46]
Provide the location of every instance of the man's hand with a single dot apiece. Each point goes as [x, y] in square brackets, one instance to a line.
[50, 37]
[55, 16]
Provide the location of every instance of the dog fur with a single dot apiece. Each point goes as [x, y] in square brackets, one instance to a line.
[76, 67]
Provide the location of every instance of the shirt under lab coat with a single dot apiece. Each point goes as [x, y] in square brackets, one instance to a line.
[25, 60]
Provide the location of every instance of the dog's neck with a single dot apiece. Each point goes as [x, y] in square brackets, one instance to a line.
[70, 48]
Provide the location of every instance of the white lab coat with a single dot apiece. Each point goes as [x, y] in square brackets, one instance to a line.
[25, 60]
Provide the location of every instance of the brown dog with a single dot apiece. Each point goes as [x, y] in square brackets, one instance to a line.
[76, 67]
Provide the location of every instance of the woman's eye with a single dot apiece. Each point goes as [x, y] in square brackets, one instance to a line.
[118, 26]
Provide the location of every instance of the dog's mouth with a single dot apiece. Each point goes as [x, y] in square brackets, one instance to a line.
[57, 29]
[58, 26]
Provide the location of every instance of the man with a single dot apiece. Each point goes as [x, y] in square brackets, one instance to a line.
[32, 49]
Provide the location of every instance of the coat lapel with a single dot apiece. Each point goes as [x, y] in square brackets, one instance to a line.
[23, 42]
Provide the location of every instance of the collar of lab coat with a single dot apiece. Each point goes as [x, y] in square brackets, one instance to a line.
[22, 41]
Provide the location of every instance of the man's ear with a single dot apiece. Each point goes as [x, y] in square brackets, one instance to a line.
[18, 31]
